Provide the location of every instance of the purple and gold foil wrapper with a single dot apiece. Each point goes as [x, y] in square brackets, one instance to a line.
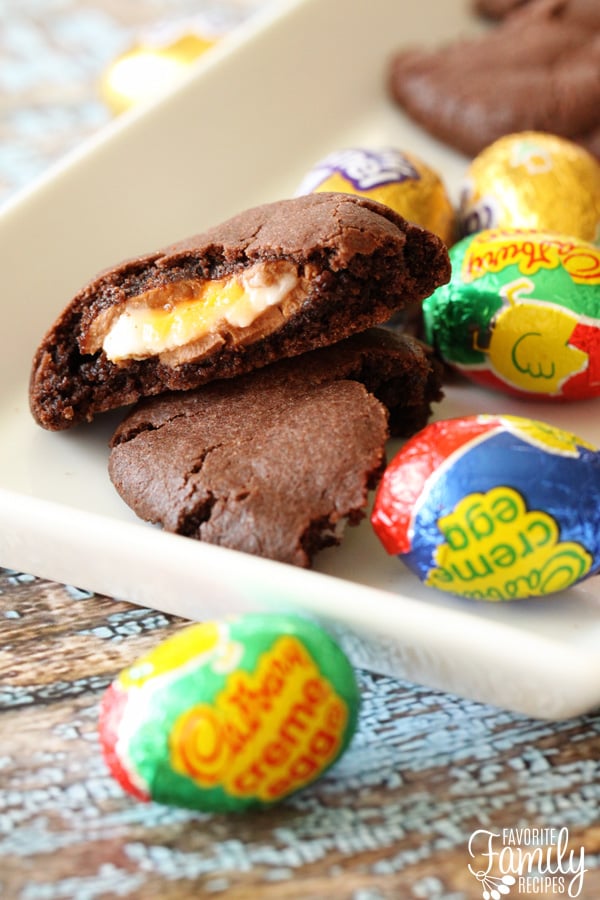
[533, 180]
[400, 180]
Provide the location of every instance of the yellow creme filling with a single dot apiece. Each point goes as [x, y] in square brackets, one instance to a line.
[191, 310]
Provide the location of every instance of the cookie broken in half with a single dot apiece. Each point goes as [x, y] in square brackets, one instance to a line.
[272, 282]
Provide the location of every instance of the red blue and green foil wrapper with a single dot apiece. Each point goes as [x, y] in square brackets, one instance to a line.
[493, 507]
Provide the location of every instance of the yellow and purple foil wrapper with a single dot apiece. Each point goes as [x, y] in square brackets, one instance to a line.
[532, 180]
[400, 180]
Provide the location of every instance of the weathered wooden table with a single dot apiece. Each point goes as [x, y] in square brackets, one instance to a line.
[427, 771]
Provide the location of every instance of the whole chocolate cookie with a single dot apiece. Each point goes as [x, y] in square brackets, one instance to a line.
[274, 462]
[535, 71]
[272, 282]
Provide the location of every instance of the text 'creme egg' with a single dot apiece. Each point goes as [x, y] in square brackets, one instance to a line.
[493, 507]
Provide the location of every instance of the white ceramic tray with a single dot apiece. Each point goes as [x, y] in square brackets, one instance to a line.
[303, 79]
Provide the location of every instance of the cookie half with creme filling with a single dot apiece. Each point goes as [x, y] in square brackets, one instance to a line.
[272, 282]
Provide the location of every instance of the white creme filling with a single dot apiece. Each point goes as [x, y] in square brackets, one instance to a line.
[191, 310]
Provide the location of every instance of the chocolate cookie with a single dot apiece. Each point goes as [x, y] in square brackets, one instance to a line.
[535, 71]
[274, 462]
[497, 9]
[271, 282]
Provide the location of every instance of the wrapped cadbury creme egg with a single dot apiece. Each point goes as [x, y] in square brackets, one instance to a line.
[158, 60]
[399, 180]
[493, 507]
[224, 716]
[521, 313]
[533, 180]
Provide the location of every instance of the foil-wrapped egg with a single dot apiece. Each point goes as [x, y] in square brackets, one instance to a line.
[400, 180]
[532, 180]
[521, 313]
[156, 61]
[224, 716]
[484, 507]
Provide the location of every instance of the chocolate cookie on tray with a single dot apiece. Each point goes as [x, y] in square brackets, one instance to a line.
[272, 282]
[275, 462]
[498, 9]
[535, 71]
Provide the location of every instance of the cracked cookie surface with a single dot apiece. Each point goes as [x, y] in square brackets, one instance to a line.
[276, 462]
